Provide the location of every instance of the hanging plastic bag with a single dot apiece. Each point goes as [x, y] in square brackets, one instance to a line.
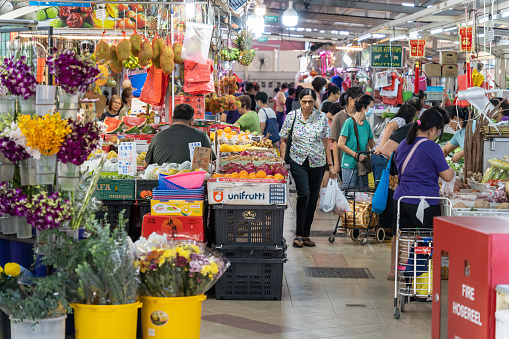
[342, 205]
[447, 189]
[155, 86]
[197, 42]
[202, 87]
[195, 72]
[328, 201]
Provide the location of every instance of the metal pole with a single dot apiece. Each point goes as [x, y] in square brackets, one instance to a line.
[172, 74]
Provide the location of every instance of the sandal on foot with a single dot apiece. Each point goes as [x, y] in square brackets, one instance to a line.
[297, 242]
[307, 242]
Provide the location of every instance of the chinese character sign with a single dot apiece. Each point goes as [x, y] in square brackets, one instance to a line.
[466, 39]
[127, 158]
[417, 48]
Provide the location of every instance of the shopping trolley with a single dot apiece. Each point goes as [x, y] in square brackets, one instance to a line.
[360, 219]
[414, 263]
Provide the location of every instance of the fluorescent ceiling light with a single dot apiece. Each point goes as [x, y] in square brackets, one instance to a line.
[378, 35]
[290, 16]
[400, 37]
[505, 14]
[408, 4]
[348, 48]
[334, 32]
[344, 33]
[450, 29]
[308, 29]
[437, 30]
[414, 35]
[260, 10]
[364, 37]
[322, 31]
[300, 29]
[480, 35]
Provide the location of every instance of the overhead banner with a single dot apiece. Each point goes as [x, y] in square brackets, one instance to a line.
[466, 35]
[121, 16]
[417, 48]
[386, 56]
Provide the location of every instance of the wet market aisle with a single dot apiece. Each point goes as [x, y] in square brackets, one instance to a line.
[322, 307]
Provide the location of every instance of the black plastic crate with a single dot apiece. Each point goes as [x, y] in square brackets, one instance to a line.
[113, 209]
[249, 225]
[251, 279]
[253, 252]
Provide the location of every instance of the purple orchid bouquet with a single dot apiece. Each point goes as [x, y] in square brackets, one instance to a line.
[16, 76]
[78, 144]
[12, 150]
[49, 211]
[73, 72]
[13, 201]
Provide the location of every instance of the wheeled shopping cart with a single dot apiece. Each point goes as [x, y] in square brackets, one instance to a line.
[414, 264]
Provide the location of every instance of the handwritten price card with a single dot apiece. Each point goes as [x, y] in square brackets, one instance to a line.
[201, 158]
[127, 158]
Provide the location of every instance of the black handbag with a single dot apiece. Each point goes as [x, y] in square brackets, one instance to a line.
[363, 167]
[289, 142]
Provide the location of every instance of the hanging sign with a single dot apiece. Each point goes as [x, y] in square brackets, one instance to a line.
[386, 56]
[417, 48]
[466, 35]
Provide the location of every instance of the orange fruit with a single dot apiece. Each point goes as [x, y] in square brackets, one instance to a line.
[227, 129]
[217, 175]
[226, 175]
[219, 131]
[244, 176]
[252, 176]
[233, 133]
[261, 174]
[269, 177]
[279, 176]
[234, 175]
[241, 173]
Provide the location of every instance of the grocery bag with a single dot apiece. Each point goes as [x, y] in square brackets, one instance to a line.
[342, 205]
[328, 200]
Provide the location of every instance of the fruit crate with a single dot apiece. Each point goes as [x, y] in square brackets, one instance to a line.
[251, 279]
[253, 252]
[249, 225]
[113, 209]
[145, 187]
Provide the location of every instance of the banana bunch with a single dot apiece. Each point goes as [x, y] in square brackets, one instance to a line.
[230, 54]
[112, 154]
[131, 62]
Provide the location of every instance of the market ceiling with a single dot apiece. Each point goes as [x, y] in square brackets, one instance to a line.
[345, 21]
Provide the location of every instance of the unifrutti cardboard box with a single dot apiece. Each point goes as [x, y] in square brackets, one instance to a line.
[232, 191]
[177, 208]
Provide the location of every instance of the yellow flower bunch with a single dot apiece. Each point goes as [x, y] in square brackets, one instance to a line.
[12, 269]
[183, 252]
[210, 270]
[167, 255]
[46, 134]
[1, 269]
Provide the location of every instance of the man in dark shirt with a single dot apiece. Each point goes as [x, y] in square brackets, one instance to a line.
[250, 90]
[290, 99]
[175, 144]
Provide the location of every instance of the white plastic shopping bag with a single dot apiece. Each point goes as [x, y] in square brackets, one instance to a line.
[328, 199]
[447, 189]
[342, 206]
[197, 42]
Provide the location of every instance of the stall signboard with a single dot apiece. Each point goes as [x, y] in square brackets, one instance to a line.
[417, 48]
[127, 158]
[386, 56]
[120, 16]
[197, 101]
[466, 35]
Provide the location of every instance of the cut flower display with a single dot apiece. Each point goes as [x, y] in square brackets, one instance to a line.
[78, 144]
[19, 150]
[16, 76]
[44, 134]
[48, 211]
[177, 268]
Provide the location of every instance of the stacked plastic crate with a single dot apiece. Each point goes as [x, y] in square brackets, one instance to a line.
[251, 237]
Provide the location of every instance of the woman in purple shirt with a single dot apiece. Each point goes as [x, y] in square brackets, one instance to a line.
[502, 113]
[420, 175]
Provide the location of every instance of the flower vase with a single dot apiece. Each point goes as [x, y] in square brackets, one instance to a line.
[67, 101]
[49, 328]
[68, 176]
[8, 225]
[27, 171]
[7, 105]
[45, 94]
[45, 168]
[23, 229]
[6, 168]
[26, 107]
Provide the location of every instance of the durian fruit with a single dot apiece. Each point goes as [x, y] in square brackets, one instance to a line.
[177, 52]
[115, 63]
[166, 60]
[145, 53]
[124, 49]
[157, 46]
[135, 44]
[102, 52]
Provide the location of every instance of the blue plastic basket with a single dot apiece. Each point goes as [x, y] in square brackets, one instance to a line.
[160, 191]
[165, 184]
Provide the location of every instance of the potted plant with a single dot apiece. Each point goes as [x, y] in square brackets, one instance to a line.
[174, 277]
[36, 306]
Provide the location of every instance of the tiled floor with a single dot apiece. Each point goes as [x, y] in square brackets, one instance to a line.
[322, 307]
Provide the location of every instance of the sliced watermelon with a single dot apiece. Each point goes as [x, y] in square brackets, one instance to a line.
[115, 129]
[132, 130]
[132, 122]
[112, 121]
[148, 129]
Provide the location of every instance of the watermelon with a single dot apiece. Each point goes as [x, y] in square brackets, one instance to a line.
[130, 122]
[132, 130]
[112, 129]
[148, 129]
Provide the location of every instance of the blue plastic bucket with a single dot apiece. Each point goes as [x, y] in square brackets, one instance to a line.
[138, 80]
[5, 253]
[40, 269]
[22, 253]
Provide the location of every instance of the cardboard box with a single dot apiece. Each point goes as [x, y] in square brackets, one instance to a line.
[433, 70]
[448, 58]
[100, 105]
[450, 71]
[176, 227]
[247, 192]
[115, 189]
[177, 208]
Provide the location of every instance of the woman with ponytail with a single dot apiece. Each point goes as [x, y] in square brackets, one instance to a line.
[420, 162]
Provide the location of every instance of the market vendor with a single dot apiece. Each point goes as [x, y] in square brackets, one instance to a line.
[249, 120]
[458, 121]
[174, 144]
[127, 99]
[114, 107]
[502, 113]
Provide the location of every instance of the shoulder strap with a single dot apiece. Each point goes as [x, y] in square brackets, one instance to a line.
[293, 123]
[356, 134]
[409, 156]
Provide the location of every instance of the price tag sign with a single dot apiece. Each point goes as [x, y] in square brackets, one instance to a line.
[201, 158]
[192, 146]
[466, 39]
[417, 48]
[127, 158]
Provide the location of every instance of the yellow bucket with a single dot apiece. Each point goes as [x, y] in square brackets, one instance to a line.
[106, 321]
[171, 317]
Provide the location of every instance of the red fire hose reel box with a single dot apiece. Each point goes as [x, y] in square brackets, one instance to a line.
[478, 249]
